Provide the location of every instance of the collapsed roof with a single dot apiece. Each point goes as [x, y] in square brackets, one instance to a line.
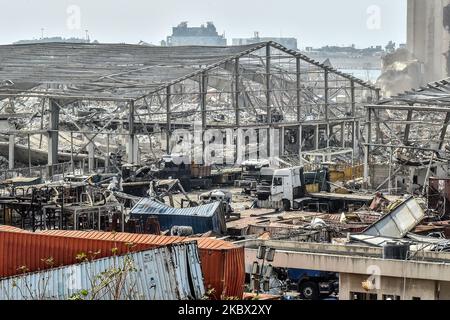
[434, 93]
[113, 71]
[416, 120]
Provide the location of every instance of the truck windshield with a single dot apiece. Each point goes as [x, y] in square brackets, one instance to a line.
[277, 181]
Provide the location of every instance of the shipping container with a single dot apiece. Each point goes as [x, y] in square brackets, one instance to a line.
[222, 262]
[208, 217]
[10, 228]
[166, 273]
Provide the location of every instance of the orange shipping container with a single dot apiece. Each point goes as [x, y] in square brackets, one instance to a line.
[9, 228]
[222, 262]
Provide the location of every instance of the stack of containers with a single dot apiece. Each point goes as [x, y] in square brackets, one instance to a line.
[222, 262]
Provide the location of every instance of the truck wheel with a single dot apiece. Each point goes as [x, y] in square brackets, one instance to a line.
[286, 205]
[309, 290]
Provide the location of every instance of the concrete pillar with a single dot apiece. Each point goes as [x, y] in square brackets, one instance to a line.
[72, 163]
[344, 287]
[298, 83]
[273, 141]
[168, 120]
[268, 85]
[91, 156]
[131, 135]
[268, 98]
[300, 143]
[352, 98]
[53, 127]
[355, 138]
[203, 92]
[108, 152]
[329, 132]
[366, 181]
[390, 170]
[29, 151]
[316, 136]
[326, 96]
[11, 154]
[236, 92]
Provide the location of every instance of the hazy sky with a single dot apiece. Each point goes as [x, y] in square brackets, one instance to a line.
[313, 22]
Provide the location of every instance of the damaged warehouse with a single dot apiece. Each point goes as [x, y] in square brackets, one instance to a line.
[216, 172]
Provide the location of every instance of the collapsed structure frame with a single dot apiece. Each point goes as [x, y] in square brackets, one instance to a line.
[264, 78]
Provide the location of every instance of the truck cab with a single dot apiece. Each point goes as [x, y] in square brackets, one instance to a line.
[310, 284]
[251, 174]
[264, 186]
[287, 186]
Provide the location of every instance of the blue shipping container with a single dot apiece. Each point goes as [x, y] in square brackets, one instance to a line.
[209, 217]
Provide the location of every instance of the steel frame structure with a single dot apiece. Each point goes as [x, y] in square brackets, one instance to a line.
[415, 122]
[154, 90]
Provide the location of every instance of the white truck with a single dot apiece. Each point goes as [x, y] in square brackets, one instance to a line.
[288, 185]
[288, 191]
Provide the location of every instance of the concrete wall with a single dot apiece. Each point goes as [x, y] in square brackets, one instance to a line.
[427, 278]
[406, 289]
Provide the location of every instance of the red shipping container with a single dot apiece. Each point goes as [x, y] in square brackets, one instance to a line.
[222, 262]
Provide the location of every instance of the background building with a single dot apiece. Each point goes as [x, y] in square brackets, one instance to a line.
[182, 35]
[55, 39]
[290, 43]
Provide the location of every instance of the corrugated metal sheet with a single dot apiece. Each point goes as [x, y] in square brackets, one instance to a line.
[202, 219]
[137, 238]
[148, 206]
[417, 243]
[166, 273]
[222, 262]
[11, 229]
[399, 222]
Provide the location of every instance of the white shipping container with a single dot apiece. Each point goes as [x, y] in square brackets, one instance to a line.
[167, 273]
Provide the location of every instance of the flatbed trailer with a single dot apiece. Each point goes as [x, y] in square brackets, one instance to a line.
[350, 196]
